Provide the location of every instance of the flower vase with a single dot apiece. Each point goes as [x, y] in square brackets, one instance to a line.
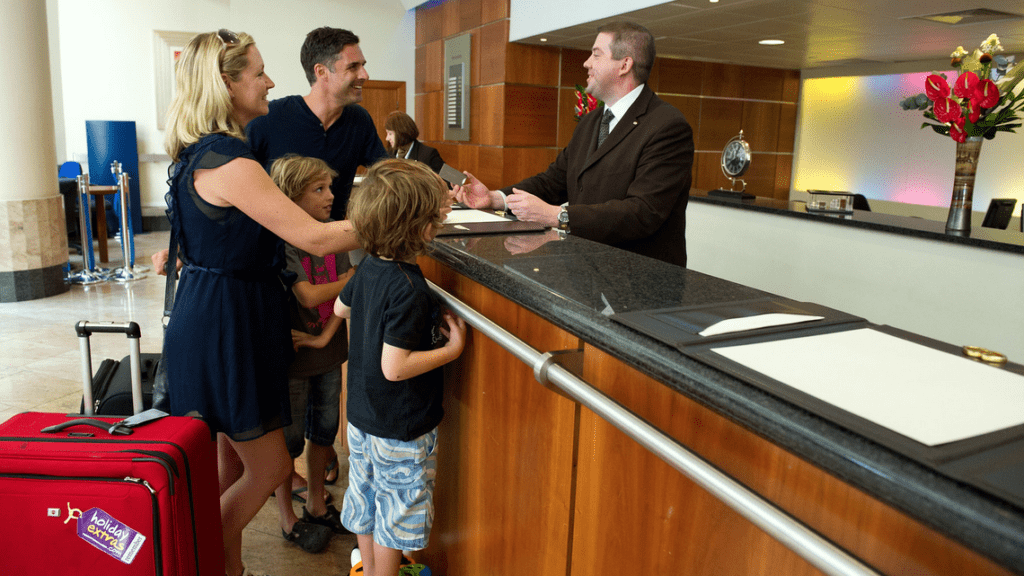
[967, 153]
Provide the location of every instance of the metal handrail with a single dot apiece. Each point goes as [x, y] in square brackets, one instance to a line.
[811, 546]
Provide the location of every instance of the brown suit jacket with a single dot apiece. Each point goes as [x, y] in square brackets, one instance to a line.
[632, 192]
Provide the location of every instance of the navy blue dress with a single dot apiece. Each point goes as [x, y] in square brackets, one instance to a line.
[228, 343]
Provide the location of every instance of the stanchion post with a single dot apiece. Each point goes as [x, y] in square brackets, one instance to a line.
[87, 275]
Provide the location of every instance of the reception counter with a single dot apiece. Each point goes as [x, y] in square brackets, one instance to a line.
[532, 482]
[895, 270]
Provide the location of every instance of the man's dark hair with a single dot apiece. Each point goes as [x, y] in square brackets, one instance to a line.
[322, 47]
[635, 41]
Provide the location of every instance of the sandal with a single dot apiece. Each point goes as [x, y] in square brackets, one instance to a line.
[332, 466]
[330, 519]
[312, 538]
[298, 495]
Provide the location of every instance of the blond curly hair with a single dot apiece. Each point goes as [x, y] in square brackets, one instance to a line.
[393, 206]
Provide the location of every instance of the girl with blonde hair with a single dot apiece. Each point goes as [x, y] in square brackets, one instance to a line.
[228, 346]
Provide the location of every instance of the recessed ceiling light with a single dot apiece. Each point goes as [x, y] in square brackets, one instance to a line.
[714, 1]
[772, 42]
[543, 39]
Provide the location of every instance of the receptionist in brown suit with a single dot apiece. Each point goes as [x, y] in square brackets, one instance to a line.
[630, 190]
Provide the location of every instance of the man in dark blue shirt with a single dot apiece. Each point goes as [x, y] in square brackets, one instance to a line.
[327, 123]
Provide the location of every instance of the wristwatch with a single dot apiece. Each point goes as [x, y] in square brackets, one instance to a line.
[563, 220]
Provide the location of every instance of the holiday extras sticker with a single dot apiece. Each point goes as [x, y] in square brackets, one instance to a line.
[104, 532]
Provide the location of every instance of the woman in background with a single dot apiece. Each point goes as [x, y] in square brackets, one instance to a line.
[228, 344]
[401, 135]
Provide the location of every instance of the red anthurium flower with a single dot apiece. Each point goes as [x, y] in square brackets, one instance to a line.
[956, 130]
[935, 87]
[975, 114]
[947, 110]
[965, 84]
[986, 94]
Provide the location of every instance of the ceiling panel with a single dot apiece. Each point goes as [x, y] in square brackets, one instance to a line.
[817, 32]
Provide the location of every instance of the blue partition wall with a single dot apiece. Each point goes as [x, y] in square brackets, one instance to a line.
[110, 140]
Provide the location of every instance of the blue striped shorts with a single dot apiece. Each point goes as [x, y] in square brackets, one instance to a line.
[391, 488]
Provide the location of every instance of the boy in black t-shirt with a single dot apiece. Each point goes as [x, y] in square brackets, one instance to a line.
[395, 381]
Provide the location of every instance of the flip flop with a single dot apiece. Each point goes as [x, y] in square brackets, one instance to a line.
[312, 538]
[330, 519]
[298, 495]
[332, 466]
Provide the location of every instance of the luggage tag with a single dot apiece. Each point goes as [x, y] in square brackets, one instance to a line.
[108, 535]
[144, 417]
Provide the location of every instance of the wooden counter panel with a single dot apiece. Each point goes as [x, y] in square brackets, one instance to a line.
[505, 459]
[632, 509]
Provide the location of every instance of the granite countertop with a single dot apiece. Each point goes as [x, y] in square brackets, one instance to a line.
[576, 284]
[980, 237]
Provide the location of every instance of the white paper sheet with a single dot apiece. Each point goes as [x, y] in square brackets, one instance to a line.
[469, 216]
[759, 321]
[925, 394]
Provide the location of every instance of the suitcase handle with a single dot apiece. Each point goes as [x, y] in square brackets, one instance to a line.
[85, 329]
[130, 329]
[116, 428]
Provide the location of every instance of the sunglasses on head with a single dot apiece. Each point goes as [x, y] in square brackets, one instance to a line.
[228, 37]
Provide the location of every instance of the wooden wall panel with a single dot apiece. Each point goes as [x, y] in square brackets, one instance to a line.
[531, 116]
[433, 67]
[451, 19]
[486, 115]
[573, 72]
[791, 86]
[783, 176]
[470, 14]
[680, 76]
[763, 83]
[761, 125]
[521, 163]
[505, 451]
[491, 10]
[760, 177]
[449, 151]
[566, 119]
[720, 120]
[634, 510]
[690, 107]
[723, 80]
[475, 44]
[428, 24]
[707, 171]
[787, 128]
[490, 161]
[537, 65]
[430, 116]
[493, 38]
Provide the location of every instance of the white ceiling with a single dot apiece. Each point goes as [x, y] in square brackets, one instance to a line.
[817, 33]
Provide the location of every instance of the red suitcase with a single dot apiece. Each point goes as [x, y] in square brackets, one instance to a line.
[89, 497]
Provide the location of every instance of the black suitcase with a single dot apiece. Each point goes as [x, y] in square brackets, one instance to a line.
[112, 385]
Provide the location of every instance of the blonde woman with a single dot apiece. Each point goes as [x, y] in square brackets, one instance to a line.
[228, 344]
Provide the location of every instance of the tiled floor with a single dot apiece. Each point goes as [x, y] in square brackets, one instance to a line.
[40, 370]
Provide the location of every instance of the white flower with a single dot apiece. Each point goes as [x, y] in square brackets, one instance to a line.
[991, 45]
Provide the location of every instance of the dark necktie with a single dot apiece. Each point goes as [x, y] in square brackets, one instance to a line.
[606, 122]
